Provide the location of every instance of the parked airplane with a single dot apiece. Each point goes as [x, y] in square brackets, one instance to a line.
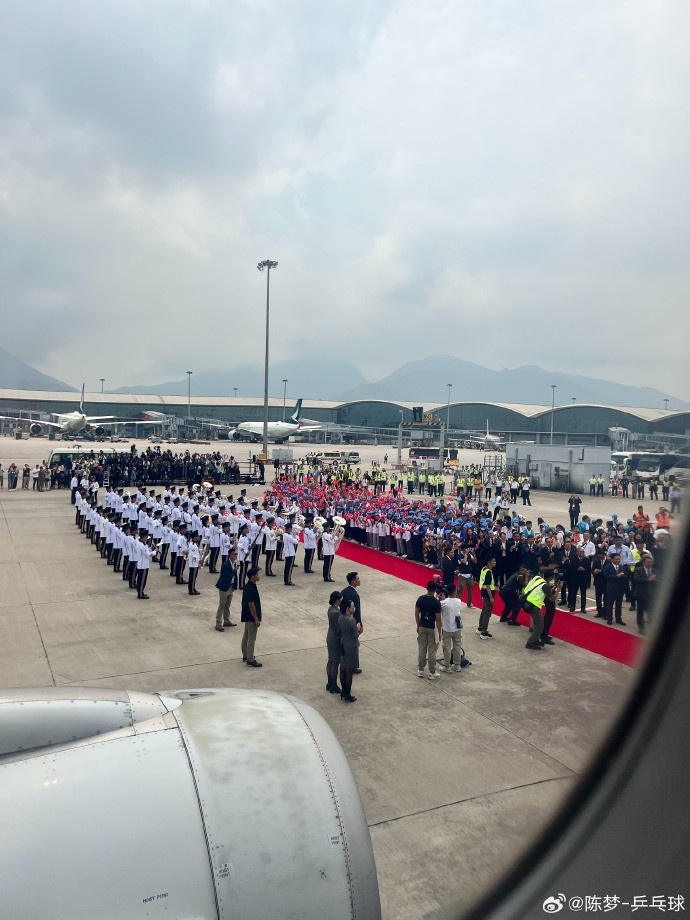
[65, 422]
[277, 431]
[73, 422]
[488, 441]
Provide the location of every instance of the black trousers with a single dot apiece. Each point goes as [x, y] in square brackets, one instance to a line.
[327, 566]
[308, 559]
[213, 559]
[164, 555]
[132, 576]
[242, 574]
[125, 567]
[117, 557]
[191, 584]
[613, 603]
[287, 571]
[575, 588]
[256, 552]
[270, 556]
[142, 578]
[180, 564]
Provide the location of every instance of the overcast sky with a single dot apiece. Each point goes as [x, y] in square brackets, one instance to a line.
[504, 181]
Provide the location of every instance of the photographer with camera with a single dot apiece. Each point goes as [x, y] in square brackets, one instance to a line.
[511, 595]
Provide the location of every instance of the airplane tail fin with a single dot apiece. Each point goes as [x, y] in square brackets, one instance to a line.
[294, 418]
[81, 401]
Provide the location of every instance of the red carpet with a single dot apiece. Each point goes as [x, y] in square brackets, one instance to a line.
[582, 631]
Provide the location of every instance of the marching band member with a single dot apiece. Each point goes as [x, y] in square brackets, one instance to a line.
[309, 548]
[328, 542]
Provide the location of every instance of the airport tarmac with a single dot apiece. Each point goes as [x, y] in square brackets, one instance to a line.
[456, 775]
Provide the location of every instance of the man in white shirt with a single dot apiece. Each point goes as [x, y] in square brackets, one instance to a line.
[193, 558]
[145, 553]
[309, 548]
[290, 543]
[451, 621]
[328, 544]
[181, 560]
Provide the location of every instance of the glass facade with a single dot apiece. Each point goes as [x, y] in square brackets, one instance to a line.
[576, 419]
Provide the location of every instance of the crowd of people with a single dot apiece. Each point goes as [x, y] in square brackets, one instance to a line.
[482, 547]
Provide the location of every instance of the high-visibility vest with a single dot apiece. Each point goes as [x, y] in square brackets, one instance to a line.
[636, 555]
[486, 578]
[534, 591]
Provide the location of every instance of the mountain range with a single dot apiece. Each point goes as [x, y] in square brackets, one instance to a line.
[427, 380]
[424, 381]
[16, 374]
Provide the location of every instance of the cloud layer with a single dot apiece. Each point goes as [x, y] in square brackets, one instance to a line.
[504, 181]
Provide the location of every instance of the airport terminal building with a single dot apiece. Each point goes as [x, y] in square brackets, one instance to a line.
[361, 420]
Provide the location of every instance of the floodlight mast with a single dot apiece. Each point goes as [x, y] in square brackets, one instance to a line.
[267, 264]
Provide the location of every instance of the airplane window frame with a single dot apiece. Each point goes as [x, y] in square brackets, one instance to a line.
[650, 739]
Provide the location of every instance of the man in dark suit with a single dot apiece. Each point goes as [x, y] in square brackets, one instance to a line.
[227, 585]
[579, 580]
[615, 581]
[645, 585]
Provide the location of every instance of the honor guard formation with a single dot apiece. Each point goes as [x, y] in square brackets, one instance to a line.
[474, 536]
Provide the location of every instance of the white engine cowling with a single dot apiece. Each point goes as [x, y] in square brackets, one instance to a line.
[199, 803]
[36, 429]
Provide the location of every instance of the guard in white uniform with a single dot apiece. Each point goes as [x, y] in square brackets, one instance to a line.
[290, 543]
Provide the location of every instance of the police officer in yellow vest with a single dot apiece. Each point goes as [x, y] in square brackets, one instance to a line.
[592, 485]
[532, 602]
[422, 481]
[410, 481]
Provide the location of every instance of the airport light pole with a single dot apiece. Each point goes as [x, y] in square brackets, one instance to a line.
[267, 264]
[235, 389]
[103, 381]
[449, 385]
[189, 393]
[285, 383]
[666, 403]
[553, 405]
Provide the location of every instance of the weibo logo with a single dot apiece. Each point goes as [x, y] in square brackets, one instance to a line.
[553, 904]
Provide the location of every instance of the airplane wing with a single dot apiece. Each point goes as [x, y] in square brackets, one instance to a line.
[309, 428]
[28, 421]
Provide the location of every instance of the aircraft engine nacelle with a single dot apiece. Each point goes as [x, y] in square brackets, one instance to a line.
[237, 436]
[199, 803]
[36, 429]
[99, 430]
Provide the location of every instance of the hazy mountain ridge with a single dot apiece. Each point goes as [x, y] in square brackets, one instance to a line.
[427, 379]
[423, 381]
[16, 374]
[314, 378]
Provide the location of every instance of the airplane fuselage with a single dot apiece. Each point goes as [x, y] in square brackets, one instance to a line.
[71, 422]
[276, 430]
